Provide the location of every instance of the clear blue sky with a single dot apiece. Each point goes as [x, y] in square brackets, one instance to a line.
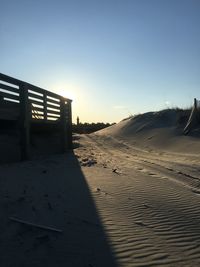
[112, 57]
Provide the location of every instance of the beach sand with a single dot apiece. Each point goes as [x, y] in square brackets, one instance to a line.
[128, 195]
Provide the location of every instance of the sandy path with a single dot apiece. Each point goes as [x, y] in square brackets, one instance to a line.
[148, 203]
[181, 168]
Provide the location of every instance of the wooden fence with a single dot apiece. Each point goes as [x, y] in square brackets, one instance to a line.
[29, 104]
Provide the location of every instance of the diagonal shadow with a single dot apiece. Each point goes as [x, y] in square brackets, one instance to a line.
[62, 185]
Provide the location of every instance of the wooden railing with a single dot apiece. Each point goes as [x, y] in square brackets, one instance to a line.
[34, 104]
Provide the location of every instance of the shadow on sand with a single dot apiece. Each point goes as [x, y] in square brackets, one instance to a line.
[56, 194]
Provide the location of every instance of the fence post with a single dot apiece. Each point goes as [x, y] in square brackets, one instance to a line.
[45, 105]
[69, 124]
[25, 113]
[63, 125]
[195, 103]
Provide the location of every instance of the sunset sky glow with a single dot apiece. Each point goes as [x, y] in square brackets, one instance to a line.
[113, 58]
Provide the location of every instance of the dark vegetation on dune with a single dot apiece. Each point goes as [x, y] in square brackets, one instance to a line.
[86, 128]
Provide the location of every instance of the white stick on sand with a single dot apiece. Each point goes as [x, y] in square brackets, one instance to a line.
[35, 225]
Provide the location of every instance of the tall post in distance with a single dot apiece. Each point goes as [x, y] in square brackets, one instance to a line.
[77, 121]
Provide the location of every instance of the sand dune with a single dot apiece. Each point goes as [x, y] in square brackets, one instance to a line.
[159, 130]
[129, 195]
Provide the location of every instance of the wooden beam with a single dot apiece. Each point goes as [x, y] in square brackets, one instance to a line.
[52, 105]
[9, 88]
[25, 115]
[63, 126]
[45, 105]
[40, 97]
[69, 124]
[9, 96]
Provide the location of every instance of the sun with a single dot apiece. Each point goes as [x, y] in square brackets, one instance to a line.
[67, 91]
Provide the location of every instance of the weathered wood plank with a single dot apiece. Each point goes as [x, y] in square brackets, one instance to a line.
[53, 101]
[45, 106]
[35, 96]
[31, 101]
[7, 95]
[69, 124]
[35, 110]
[53, 115]
[25, 116]
[9, 88]
[40, 108]
[56, 111]
[53, 105]
[63, 126]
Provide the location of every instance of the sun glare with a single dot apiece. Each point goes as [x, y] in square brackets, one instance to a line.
[66, 91]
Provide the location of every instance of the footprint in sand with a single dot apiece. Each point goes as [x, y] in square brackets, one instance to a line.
[139, 169]
[152, 174]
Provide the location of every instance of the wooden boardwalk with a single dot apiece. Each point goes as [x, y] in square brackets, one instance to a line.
[31, 106]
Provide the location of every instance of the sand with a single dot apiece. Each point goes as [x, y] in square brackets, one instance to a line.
[120, 199]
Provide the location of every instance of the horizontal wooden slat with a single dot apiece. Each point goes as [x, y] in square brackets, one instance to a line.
[53, 97]
[53, 115]
[42, 91]
[37, 109]
[36, 93]
[36, 99]
[53, 101]
[40, 118]
[53, 106]
[11, 96]
[31, 101]
[35, 96]
[9, 88]
[35, 88]
[57, 111]
[53, 119]
[37, 115]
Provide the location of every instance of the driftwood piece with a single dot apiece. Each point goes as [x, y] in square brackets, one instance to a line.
[35, 225]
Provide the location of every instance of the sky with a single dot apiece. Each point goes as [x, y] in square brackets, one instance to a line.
[113, 58]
